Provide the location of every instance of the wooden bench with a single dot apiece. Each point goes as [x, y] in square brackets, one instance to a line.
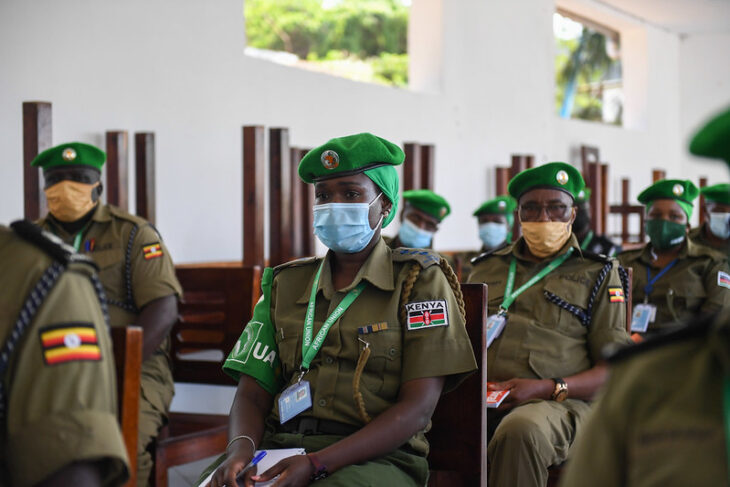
[217, 302]
[458, 438]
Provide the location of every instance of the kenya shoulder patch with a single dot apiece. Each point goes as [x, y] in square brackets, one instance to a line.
[427, 314]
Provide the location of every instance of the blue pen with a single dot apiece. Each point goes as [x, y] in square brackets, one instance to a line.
[256, 459]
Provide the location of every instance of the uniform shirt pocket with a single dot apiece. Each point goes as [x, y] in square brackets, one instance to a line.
[290, 347]
[560, 308]
[381, 375]
[685, 296]
[111, 271]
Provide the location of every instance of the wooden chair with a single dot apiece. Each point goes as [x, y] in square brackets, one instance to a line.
[127, 343]
[458, 438]
[218, 300]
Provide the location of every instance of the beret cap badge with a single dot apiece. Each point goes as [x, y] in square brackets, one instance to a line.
[562, 177]
[69, 154]
[330, 159]
[502, 205]
[678, 190]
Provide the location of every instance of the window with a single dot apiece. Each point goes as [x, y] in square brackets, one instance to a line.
[364, 40]
[588, 81]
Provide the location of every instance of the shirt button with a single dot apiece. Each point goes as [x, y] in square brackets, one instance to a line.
[392, 351]
[329, 360]
[322, 403]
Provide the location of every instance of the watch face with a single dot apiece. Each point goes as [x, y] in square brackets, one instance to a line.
[561, 396]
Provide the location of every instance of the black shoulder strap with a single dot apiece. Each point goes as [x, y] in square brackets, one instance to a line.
[128, 303]
[584, 315]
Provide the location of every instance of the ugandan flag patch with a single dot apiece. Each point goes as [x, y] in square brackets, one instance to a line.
[427, 314]
[616, 294]
[152, 251]
[69, 342]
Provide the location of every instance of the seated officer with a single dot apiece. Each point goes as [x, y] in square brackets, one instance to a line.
[598, 244]
[663, 415]
[58, 396]
[673, 277]
[562, 306]
[134, 267]
[346, 356]
[715, 232]
[422, 214]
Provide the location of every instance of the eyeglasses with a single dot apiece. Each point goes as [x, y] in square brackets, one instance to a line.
[534, 212]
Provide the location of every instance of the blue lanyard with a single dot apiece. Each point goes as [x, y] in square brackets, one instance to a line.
[650, 284]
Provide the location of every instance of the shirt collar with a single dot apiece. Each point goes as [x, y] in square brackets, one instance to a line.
[377, 270]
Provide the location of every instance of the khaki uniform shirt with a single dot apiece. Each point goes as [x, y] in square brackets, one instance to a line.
[692, 285]
[151, 276]
[699, 236]
[398, 354]
[659, 420]
[66, 411]
[542, 340]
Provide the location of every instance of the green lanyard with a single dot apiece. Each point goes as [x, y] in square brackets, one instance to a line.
[726, 408]
[509, 296]
[587, 241]
[311, 347]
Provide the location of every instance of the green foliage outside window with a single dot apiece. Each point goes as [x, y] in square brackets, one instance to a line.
[369, 35]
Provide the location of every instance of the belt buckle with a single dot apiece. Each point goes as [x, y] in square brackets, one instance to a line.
[307, 426]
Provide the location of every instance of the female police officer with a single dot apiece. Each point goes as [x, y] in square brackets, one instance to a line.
[674, 277]
[368, 336]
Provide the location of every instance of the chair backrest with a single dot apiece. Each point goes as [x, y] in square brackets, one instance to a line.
[217, 302]
[127, 343]
[458, 437]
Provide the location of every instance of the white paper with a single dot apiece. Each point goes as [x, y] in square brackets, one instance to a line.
[271, 458]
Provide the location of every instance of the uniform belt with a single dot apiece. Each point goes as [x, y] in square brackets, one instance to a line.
[314, 426]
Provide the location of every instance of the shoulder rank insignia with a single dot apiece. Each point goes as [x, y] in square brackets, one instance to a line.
[616, 294]
[723, 279]
[152, 250]
[427, 314]
[69, 342]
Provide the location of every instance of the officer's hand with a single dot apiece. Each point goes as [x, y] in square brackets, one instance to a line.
[522, 390]
[293, 472]
[227, 471]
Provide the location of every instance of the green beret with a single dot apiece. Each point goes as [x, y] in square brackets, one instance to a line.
[366, 153]
[713, 139]
[718, 193]
[553, 175]
[501, 205]
[428, 202]
[70, 154]
[349, 155]
[683, 191]
[584, 195]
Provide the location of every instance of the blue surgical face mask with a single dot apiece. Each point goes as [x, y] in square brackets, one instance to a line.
[720, 224]
[412, 236]
[344, 227]
[492, 234]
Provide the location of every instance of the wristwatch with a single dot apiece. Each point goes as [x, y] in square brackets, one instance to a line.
[560, 393]
[320, 469]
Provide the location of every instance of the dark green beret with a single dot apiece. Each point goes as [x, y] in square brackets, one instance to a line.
[70, 154]
[349, 155]
[553, 175]
[713, 140]
[683, 191]
[584, 194]
[501, 205]
[718, 193]
[428, 202]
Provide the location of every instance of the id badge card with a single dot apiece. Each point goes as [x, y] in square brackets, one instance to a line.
[495, 325]
[643, 315]
[295, 399]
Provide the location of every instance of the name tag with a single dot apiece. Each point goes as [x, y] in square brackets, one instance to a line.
[295, 399]
[643, 315]
[495, 325]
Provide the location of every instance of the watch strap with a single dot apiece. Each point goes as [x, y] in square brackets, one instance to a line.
[320, 469]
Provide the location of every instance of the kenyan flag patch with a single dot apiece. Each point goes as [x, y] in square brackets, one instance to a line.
[427, 314]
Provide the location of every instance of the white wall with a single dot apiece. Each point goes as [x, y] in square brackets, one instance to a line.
[177, 68]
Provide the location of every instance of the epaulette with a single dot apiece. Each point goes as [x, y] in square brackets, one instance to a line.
[631, 253]
[123, 215]
[486, 254]
[49, 243]
[424, 257]
[295, 263]
[698, 327]
[599, 257]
